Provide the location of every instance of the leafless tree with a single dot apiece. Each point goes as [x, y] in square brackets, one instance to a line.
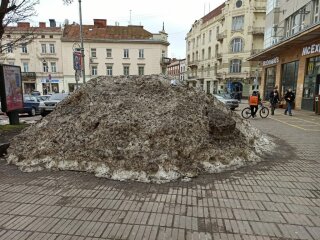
[14, 11]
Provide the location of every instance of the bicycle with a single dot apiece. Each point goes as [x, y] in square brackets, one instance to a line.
[263, 111]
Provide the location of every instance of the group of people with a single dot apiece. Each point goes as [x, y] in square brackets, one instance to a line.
[274, 98]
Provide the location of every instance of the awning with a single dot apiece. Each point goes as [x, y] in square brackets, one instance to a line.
[311, 34]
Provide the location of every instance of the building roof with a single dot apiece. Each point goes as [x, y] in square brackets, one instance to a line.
[34, 29]
[107, 32]
[215, 12]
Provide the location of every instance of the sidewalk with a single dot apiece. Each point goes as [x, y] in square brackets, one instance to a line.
[276, 199]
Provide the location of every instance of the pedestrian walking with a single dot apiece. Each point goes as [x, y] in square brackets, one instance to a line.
[289, 97]
[274, 99]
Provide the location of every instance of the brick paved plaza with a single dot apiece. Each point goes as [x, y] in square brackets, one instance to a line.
[275, 199]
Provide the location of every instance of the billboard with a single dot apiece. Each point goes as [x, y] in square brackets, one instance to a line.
[10, 88]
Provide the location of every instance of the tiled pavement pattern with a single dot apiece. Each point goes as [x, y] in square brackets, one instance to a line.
[275, 199]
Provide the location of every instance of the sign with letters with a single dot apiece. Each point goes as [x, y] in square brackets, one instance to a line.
[314, 48]
[270, 61]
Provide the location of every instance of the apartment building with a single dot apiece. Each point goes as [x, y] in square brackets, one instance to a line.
[291, 58]
[219, 44]
[114, 50]
[47, 61]
[177, 69]
[38, 54]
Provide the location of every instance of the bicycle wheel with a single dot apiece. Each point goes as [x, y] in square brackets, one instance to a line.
[264, 112]
[246, 113]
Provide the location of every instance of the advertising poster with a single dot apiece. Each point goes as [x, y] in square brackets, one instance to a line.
[11, 88]
[77, 61]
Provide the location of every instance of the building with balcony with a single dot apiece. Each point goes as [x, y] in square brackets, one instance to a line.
[291, 58]
[114, 50]
[219, 44]
[37, 50]
[47, 59]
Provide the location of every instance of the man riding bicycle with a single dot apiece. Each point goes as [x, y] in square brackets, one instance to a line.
[254, 101]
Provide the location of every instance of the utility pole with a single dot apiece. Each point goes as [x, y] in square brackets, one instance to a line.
[82, 47]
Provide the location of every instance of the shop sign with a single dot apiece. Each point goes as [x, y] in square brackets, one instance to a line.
[314, 48]
[10, 88]
[270, 61]
[46, 80]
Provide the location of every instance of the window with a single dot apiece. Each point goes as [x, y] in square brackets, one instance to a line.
[163, 54]
[126, 70]
[235, 66]
[203, 53]
[9, 48]
[189, 44]
[295, 23]
[316, 11]
[43, 48]
[141, 53]
[43, 36]
[109, 70]
[52, 48]
[53, 67]
[45, 67]
[237, 23]
[125, 53]
[25, 67]
[51, 36]
[203, 39]
[24, 48]
[208, 73]
[93, 52]
[94, 70]
[236, 45]
[210, 35]
[141, 70]
[209, 53]
[109, 53]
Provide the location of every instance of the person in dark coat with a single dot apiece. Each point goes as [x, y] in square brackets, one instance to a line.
[289, 97]
[274, 99]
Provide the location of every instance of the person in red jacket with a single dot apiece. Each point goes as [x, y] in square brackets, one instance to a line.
[254, 102]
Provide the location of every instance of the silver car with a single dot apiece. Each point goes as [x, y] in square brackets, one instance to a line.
[49, 105]
[228, 101]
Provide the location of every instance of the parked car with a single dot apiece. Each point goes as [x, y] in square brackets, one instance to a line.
[49, 105]
[30, 105]
[43, 98]
[35, 93]
[226, 99]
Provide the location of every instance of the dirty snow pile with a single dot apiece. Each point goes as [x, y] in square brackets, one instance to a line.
[138, 128]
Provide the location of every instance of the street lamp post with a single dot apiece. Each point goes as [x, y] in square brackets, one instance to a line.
[82, 47]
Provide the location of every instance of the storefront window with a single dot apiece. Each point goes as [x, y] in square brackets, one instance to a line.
[311, 82]
[270, 81]
[289, 76]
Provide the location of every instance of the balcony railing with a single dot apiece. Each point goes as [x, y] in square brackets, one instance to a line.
[256, 51]
[165, 61]
[193, 63]
[221, 36]
[219, 55]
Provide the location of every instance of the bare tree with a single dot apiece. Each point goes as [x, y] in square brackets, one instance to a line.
[13, 11]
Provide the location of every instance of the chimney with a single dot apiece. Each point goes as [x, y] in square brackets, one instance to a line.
[100, 23]
[24, 24]
[52, 23]
[42, 25]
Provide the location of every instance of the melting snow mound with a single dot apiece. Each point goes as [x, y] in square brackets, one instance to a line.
[138, 128]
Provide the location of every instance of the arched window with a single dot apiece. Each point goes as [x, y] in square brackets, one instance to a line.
[209, 53]
[235, 66]
[237, 45]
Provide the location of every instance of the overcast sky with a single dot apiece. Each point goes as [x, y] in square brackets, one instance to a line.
[177, 15]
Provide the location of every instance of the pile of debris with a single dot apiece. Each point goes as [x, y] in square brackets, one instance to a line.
[138, 128]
